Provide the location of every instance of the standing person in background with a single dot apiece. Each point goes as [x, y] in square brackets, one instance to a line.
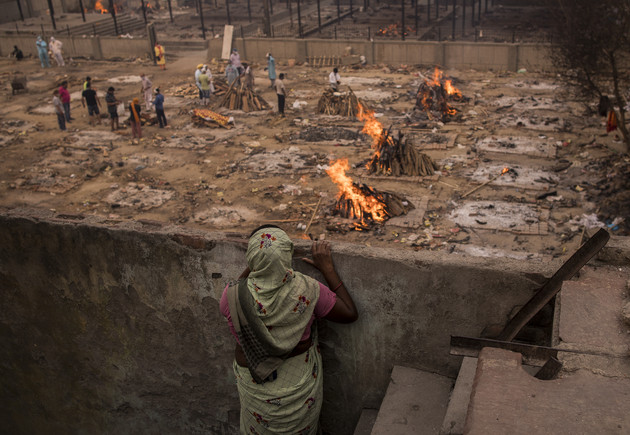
[90, 98]
[65, 99]
[134, 119]
[205, 87]
[42, 52]
[87, 82]
[147, 91]
[55, 47]
[61, 118]
[197, 74]
[159, 55]
[112, 107]
[158, 102]
[17, 53]
[271, 69]
[334, 79]
[230, 73]
[235, 58]
[281, 91]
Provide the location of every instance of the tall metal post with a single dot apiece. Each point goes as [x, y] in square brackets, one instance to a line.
[299, 13]
[428, 11]
[249, 10]
[82, 9]
[52, 14]
[144, 11]
[416, 17]
[267, 16]
[437, 9]
[402, 2]
[472, 20]
[290, 2]
[170, 10]
[227, 8]
[112, 10]
[20, 9]
[203, 27]
[351, 9]
[479, 13]
[319, 17]
[454, 6]
[338, 11]
[464, 18]
[271, 7]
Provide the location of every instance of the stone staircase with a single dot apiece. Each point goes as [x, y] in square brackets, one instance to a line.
[496, 394]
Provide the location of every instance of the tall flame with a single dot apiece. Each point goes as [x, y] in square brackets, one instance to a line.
[362, 205]
[99, 7]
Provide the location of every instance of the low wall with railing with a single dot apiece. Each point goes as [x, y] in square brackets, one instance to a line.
[476, 55]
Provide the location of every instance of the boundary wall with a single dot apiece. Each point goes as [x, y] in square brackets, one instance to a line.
[114, 327]
[95, 47]
[460, 55]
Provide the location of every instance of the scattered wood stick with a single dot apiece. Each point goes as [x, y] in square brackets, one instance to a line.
[313, 216]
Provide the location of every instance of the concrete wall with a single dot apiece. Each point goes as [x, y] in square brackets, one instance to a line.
[115, 328]
[97, 47]
[476, 55]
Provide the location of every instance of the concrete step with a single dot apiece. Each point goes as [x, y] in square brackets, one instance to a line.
[415, 403]
[106, 27]
[366, 422]
[455, 418]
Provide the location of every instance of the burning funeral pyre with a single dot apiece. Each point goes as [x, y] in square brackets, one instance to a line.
[433, 97]
[241, 97]
[361, 202]
[339, 103]
[393, 156]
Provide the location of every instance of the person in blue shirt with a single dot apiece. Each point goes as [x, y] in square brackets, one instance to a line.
[42, 51]
[271, 69]
[158, 102]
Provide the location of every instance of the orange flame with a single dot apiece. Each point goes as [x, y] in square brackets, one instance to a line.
[362, 205]
[372, 127]
[505, 170]
[99, 7]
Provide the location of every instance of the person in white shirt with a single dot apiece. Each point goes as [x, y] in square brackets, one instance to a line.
[55, 46]
[236, 61]
[197, 74]
[334, 79]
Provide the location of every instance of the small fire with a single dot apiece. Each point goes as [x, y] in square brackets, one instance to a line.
[432, 94]
[98, 6]
[372, 127]
[362, 207]
[504, 170]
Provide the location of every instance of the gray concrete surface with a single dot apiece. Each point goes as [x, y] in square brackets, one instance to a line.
[415, 403]
[455, 417]
[114, 327]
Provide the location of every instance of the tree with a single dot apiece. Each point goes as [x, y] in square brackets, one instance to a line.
[591, 48]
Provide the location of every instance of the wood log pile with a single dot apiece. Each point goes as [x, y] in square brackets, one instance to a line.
[394, 205]
[396, 157]
[208, 118]
[240, 97]
[340, 103]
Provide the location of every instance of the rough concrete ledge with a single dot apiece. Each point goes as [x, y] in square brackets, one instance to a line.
[113, 326]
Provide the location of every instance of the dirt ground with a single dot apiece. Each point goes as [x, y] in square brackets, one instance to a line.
[567, 174]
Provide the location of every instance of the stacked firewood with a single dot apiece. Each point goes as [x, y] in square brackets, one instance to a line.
[208, 118]
[340, 103]
[396, 157]
[220, 86]
[393, 204]
[240, 97]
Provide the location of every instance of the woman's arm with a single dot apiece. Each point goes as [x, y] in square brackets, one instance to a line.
[344, 310]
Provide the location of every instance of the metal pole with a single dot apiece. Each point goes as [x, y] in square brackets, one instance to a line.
[299, 12]
[454, 6]
[472, 20]
[144, 11]
[20, 9]
[351, 9]
[437, 9]
[486, 11]
[319, 17]
[338, 11]
[52, 14]
[416, 16]
[203, 27]
[464, 18]
[82, 10]
[290, 12]
[402, 2]
[479, 13]
[170, 10]
[271, 7]
[249, 10]
[428, 11]
[227, 8]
